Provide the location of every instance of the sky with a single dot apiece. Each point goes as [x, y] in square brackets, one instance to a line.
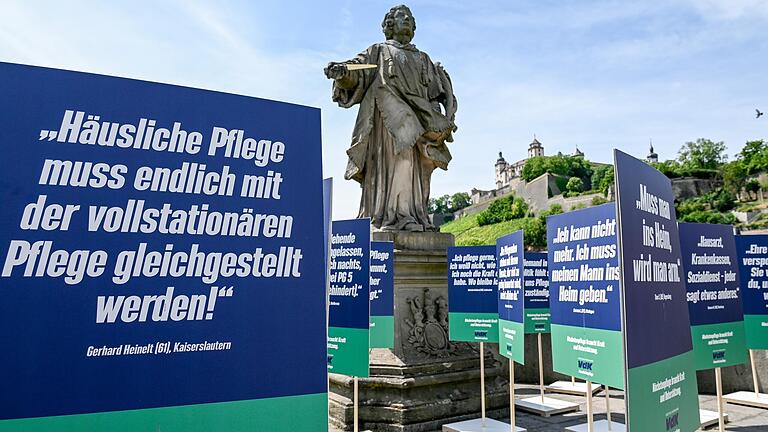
[594, 74]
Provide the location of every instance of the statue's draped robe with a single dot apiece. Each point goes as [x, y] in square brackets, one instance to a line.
[400, 132]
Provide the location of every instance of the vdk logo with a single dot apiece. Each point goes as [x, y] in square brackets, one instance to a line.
[673, 420]
[718, 356]
[585, 364]
[481, 334]
[330, 360]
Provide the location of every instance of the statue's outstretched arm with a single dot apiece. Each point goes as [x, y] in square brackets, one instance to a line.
[350, 86]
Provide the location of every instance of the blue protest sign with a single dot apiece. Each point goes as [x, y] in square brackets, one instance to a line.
[511, 306]
[753, 269]
[382, 294]
[155, 238]
[661, 379]
[349, 298]
[473, 310]
[585, 300]
[536, 285]
[713, 294]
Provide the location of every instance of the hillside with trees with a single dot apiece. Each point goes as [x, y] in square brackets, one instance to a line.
[740, 186]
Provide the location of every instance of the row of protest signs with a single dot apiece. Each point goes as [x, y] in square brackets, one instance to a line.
[631, 302]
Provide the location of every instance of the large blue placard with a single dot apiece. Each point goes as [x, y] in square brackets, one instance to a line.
[349, 297]
[584, 268]
[162, 246]
[661, 385]
[585, 299]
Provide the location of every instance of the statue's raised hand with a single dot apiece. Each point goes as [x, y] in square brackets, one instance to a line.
[335, 70]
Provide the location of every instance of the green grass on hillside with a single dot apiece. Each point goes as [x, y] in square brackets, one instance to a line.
[468, 233]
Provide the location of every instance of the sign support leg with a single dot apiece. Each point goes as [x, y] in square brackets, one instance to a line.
[573, 380]
[608, 406]
[754, 372]
[482, 381]
[541, 370]
[512, 395]
[355, 405]
[590, 420]
[719, 385]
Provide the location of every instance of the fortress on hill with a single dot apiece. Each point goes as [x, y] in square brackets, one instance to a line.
[539, 193]
[547, 189]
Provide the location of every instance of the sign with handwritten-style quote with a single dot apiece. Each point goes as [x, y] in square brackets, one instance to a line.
[162, 257]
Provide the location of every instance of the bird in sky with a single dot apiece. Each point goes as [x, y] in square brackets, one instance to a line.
[758, 113]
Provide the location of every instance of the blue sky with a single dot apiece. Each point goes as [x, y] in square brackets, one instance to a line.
[597, 74]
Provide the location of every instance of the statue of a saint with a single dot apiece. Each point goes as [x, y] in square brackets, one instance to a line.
[407, 112]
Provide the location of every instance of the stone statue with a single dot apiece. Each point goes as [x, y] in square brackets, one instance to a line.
[407, 112]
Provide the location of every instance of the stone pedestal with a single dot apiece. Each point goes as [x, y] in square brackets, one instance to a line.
[426, 380]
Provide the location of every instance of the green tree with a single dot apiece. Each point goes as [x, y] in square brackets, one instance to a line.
[568, 166]
[734, 176]
[702, 154]
[503, 209]
[440, 205]
[575, 185]
[754, 156]
[535, 232]
[670, 168]
[534, 167]
[459, 201]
